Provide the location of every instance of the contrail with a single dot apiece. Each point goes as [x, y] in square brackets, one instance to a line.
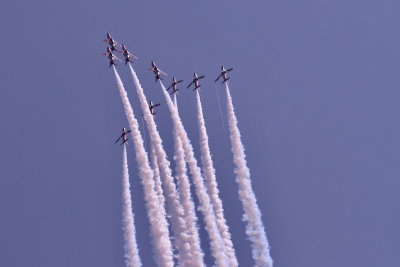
[157, 179]
[252, 215]
[144, 135]
[174, 207]
[217, 246]
[186, 199]
[220, 112]
[159, 225]
[132, 258]
[212, 185]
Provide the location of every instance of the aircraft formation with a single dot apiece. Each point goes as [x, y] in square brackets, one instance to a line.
[156, 70]
[178, 237]
[113, 45]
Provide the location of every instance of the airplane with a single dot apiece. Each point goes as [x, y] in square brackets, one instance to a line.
[111, 42]
[196, 81]
[156, 71]
[127, 55]
[111, 57]
[152, 106]
[224, 74]
[123, 136]
[173, 85]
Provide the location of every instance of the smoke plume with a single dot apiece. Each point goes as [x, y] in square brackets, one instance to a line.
[174, 207]
[131, 249]
[252, 215]
[212, 185]
[186, 199]
[217, 246]
[159, 225]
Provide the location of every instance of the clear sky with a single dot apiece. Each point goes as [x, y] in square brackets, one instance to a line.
[316, 92]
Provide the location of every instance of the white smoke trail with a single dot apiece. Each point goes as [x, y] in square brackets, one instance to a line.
[212, 185]
[186, 199]
[159, 225]
[157, 179]
[176, 103]
[217, 246]
[252, 215]
[174, 207]
[220, 111]
[144, 135]
[132, 258]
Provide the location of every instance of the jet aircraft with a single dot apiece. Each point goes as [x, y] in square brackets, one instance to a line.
[128, 55]
[156, 71]
[123, 136]
[173, 85]
[152, 106]
[224, 74]
[111, 57]
[195, 81]
[111, 42]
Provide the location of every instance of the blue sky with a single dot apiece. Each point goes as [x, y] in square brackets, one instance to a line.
[315, 88]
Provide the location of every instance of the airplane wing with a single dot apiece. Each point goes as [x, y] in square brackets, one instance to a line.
[190, 84]
[162, 72]
[117, 58]
[218, 77]
[118, 139]
[229, 69]
[156, 105]
[170, 87]
[201, 77]
[132, 55]
[116, 43]
[128, 131]
[179, 81]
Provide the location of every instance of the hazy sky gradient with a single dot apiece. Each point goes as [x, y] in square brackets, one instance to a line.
[315, 89]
